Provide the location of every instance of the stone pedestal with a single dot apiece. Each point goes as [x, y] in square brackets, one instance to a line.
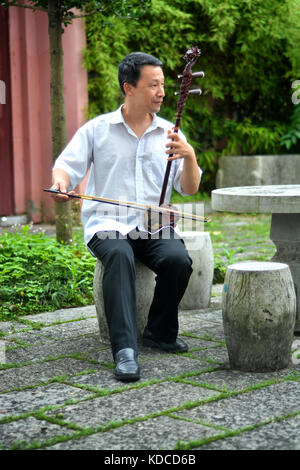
[283, 202]
[259, 311]
[197, 295]
[285, 234]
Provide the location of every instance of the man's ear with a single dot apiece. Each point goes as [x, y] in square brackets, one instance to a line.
[128, 88]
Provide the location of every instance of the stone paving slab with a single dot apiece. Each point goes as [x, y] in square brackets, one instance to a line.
[250, 408]
[283, 435]
[219, 355]
[88, 346]
[145, 435]
[23, 401]
[159, 369]
[62, 331]
[10, 327]
[234, 380]
[57, 390]
[215, 332]
[131, 404]
[190, 323]
[27, 430]
[20, 377]
[62, 315]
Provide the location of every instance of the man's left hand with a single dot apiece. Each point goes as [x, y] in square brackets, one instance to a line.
[179, 148]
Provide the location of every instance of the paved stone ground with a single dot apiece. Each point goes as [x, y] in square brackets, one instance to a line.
[57, 390]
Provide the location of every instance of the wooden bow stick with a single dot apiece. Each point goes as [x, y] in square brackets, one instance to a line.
[172, 213]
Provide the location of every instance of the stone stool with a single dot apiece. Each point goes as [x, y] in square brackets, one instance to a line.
[259, 313]
[198, 292]
[145, 284]
[197, 295]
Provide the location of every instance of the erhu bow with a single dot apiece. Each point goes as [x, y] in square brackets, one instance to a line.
[134, 205]
[164, 211]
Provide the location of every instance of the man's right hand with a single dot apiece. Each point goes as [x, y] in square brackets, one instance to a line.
[60, 180]
[60, 197]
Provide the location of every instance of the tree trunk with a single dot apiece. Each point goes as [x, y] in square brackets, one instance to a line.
[63, 213]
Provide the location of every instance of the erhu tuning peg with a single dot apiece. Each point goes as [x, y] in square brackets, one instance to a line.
[194, 74]
[198, 74]
[197, 91]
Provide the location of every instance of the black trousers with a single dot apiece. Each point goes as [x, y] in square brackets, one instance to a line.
[168, 258]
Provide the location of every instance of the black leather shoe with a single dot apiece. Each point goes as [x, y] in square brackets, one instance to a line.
[178, 346]
[127, 368]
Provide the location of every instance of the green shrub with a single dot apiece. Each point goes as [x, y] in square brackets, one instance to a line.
[292, 137]
[38, 274]
[219, 270]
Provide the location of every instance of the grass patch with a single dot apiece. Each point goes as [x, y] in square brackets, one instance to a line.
[236, 238]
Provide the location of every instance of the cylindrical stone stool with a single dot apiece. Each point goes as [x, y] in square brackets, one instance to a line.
[198, 292]
[145, 284]
[259, 313]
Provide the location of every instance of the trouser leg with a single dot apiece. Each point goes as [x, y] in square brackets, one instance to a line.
[119, 294]
[170, 260]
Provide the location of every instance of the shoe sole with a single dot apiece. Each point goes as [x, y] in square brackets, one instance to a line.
[153, 344]
[127, 377]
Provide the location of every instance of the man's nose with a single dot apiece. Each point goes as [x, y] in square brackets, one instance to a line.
[161, 91]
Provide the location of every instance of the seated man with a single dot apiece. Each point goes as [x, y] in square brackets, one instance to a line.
[126, 152]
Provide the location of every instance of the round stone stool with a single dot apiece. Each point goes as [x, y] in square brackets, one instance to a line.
[259, 313]
[198, 292]
[145, 284]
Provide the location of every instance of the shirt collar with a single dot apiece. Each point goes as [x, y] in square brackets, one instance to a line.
[117, 118]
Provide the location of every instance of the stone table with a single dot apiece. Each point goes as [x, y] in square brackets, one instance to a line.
[283, 202]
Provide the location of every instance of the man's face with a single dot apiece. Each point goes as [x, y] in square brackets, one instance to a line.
[149, 92]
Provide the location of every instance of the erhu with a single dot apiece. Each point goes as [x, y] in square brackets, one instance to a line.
[171, 217]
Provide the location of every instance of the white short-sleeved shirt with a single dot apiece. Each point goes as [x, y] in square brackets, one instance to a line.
[121, 167]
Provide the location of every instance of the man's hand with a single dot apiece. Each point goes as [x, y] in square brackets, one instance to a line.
[179, 148]
[60, 181]
[190, 176]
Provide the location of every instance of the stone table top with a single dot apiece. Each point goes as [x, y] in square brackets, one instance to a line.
[274, 199]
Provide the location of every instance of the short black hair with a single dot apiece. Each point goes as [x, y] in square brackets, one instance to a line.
[130, 67]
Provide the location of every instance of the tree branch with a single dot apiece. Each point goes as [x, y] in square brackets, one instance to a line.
[98, 10]
[22, 5]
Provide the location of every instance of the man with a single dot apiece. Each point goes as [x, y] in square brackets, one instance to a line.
[126, 152]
